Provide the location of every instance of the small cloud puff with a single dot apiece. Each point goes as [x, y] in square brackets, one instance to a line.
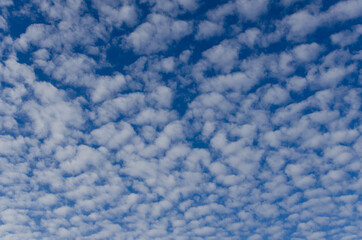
[157, 34]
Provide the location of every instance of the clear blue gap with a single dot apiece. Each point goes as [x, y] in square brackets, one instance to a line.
[355, 123]
[118, 58]
[25, 57]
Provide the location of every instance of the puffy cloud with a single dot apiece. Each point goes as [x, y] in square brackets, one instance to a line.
[6, 3]
[65, 35]
[154, 117]
[124, 105]
[306, 21]
[276, 95]
[112, 136]
[347, 37]
[344, 10]
[72, 69]
[237, 81]
[296, 83]
[114, 14]
[251, 10]
[207, 29]
[223, 56]
[307, 52]
[106, 86]
[157, 34]
[221, 12]
[250, 37]
[333, 69]
[162, 96]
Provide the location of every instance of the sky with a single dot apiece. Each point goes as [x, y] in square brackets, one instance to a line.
[181, 119]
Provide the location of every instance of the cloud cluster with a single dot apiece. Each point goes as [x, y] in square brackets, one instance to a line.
[178, 119]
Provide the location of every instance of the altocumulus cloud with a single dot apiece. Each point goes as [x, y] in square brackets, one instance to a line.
[180, 119]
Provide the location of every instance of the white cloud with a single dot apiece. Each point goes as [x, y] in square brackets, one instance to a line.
[207, 29]
[124, 105]
[6, 3]
[75, 70]
[307, 52]
[306, 21]
[251, 10]
[250, 37]
[69, 33]
[344, 10]
[112, 14]
[162, 96]
[13, 216]
[168, 65]
[237, 81]
[112, 135]
[296, 84]
[205, 231]
[52, 120]
[154, 117]
[301, 24]
[48, 200]
[223, 56]
[347, 37]
[34, 33]
[157, 34]
[333, 70]
[106, 86]
[276, 95]
[12, 72]
[219, 13]
[86, 157]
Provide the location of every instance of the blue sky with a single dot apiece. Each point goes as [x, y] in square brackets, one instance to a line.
[180, 119]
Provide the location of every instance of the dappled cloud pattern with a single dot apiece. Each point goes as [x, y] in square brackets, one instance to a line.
[180, 119]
